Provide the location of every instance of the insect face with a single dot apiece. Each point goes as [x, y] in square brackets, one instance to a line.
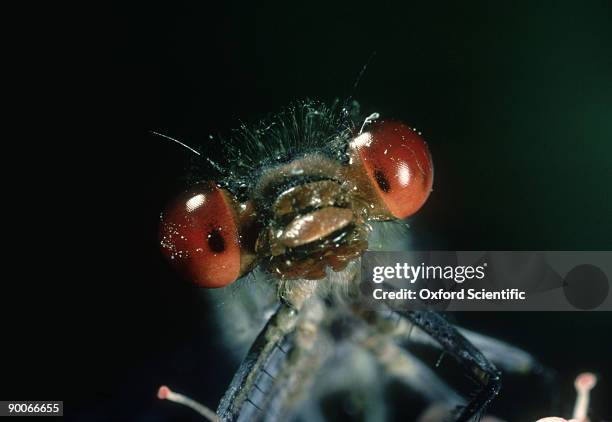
[302, 216]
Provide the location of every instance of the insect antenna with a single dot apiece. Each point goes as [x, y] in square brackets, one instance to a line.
[175, 140]
[362, 71]
[350, 107]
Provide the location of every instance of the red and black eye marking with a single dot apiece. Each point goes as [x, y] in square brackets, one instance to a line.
[216, 243]
[382, 181]
[300, 205]
[199, 234]
[398, 163]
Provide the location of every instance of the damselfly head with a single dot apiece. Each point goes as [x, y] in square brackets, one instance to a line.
[301, 215]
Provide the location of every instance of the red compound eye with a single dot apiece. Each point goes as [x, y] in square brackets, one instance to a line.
[398, 164]
[199, 235]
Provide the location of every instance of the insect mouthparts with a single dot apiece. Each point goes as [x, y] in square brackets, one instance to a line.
[315, 225]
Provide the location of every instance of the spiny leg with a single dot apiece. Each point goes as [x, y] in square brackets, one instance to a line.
[268, 351]
[456, 345]
[306, 355]
[503, 355]
[277, 368]
[506, 357]
[514, 360]
[453, 343]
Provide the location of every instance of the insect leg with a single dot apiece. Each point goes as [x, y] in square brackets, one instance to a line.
[308, 351]
[265, 355]
[515, 360]
[277, 368]
[501, 354]
[455, 344]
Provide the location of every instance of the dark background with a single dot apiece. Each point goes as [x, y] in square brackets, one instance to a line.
[515, 101]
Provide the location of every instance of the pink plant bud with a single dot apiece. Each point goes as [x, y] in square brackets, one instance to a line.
[584, 384]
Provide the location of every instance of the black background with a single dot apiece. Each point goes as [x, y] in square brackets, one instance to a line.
[515, 101]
